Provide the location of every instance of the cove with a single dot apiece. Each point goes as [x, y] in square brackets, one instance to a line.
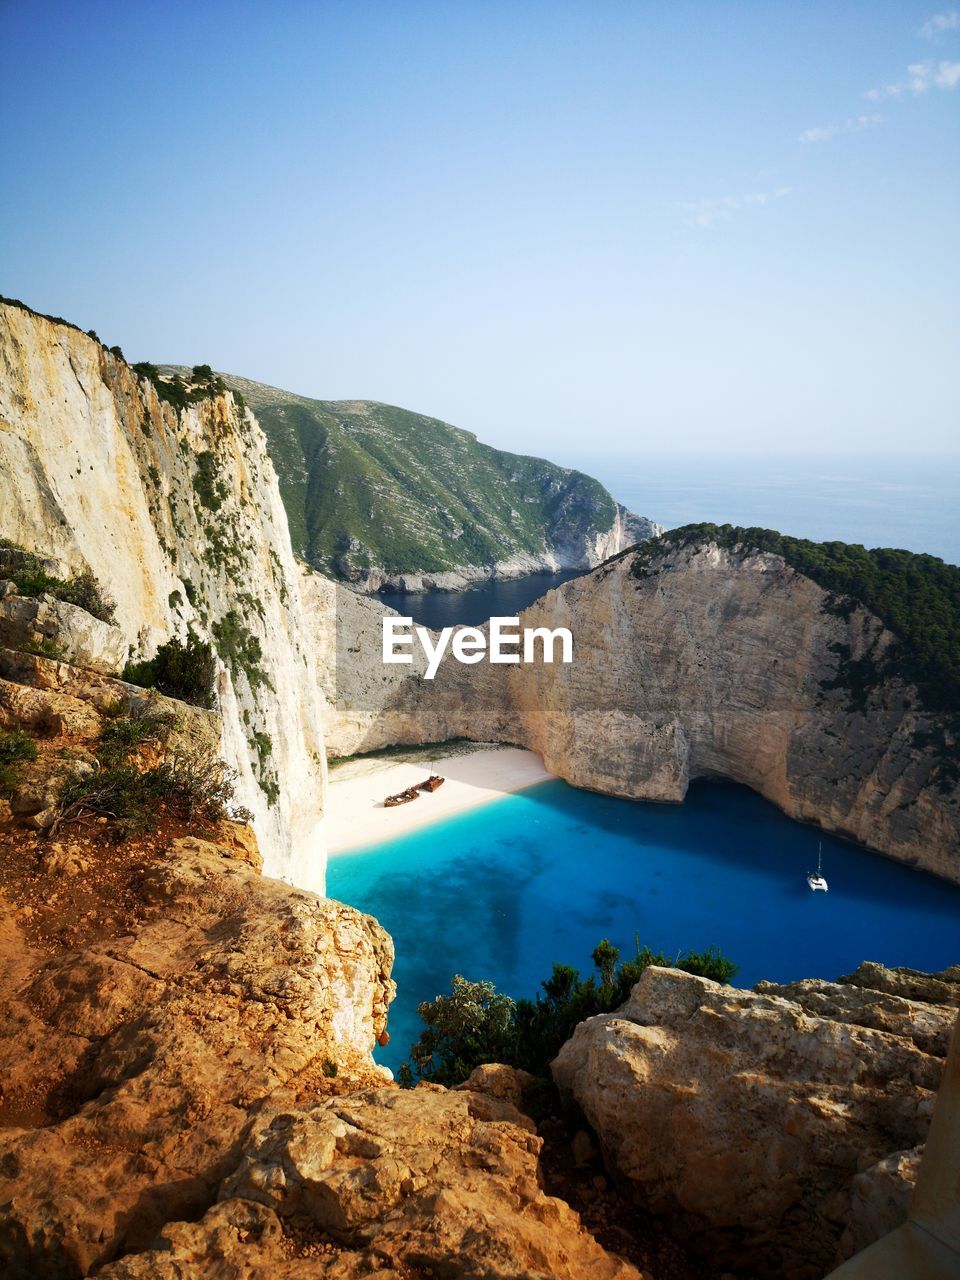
[505, 890]
[500, 597]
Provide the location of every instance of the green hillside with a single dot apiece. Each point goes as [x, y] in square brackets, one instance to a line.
[368, 485]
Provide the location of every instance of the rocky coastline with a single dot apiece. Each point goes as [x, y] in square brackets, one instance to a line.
[187, 1076]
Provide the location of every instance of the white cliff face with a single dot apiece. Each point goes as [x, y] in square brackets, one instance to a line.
[98, 471]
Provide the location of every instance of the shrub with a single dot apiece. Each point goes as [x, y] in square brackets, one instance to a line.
[199, 785]
[45, 647]
[180, 669]
[203, 376]
[475, 1024]
[543, 1025]
[15, 747]
[122, 736]
[195, 786]
[82, 589]
[209, 489]
[240, 649]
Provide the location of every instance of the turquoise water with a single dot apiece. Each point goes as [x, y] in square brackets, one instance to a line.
[505, 890]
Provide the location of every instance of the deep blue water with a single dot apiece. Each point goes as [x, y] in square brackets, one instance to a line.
[505, 890]
[499, 599]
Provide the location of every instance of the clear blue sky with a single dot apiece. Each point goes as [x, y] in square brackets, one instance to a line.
[615, 227]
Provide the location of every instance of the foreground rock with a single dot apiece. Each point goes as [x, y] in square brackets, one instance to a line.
[146, 1056]
[777, 1129]
[195, 1097]
[387, 1183]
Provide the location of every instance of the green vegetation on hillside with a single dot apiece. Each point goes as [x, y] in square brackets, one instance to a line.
[475, 1023]
[916, 596]
[201, 383]
[370, 485]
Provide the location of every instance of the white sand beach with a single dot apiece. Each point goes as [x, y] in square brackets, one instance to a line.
[355, 812]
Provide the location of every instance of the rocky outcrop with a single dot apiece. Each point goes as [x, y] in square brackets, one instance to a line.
[73, 705]
[777, 1128]
[79, 638]
[390, 1183]
[132, 1069]
[177, 512]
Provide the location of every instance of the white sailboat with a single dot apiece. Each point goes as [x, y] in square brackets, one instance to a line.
[816, 880]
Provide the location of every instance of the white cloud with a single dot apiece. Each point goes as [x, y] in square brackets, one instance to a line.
[854, 124]
[949, 21]
[708, 212]
[920, 79]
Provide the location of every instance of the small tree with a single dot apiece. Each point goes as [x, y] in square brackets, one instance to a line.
[473, 1024]
[180, 669]
[605, 956]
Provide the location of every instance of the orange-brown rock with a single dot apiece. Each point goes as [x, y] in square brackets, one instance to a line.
[388, 1183]
[131, 1071]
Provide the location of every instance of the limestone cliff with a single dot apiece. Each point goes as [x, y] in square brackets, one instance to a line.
[690, 662]
[177, 512]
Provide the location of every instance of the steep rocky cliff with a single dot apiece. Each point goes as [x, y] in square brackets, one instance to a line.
[690, 661]
[379, 496]
[177, 512]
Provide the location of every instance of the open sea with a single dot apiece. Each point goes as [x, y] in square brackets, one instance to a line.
[505, 890]
[907, 502]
